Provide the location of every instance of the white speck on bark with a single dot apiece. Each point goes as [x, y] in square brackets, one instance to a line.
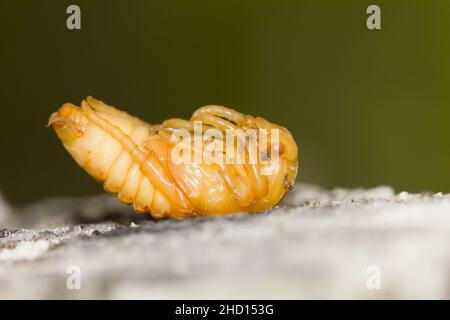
[25, 250]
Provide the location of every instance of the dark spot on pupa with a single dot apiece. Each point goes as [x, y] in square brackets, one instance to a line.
[287, 183]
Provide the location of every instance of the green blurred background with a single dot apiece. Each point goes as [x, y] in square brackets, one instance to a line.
[366, 107]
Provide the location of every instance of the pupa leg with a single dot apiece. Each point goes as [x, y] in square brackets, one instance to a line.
[213, 116]
[221, 112]
[214, 121]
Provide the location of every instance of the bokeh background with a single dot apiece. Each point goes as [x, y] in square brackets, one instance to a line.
[366, 107]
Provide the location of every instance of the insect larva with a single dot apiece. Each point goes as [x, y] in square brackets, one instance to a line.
[135, 160]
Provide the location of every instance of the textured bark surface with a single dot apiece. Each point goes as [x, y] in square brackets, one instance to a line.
[316, 244]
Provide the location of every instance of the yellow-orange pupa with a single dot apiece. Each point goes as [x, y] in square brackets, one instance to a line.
[219, 162]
